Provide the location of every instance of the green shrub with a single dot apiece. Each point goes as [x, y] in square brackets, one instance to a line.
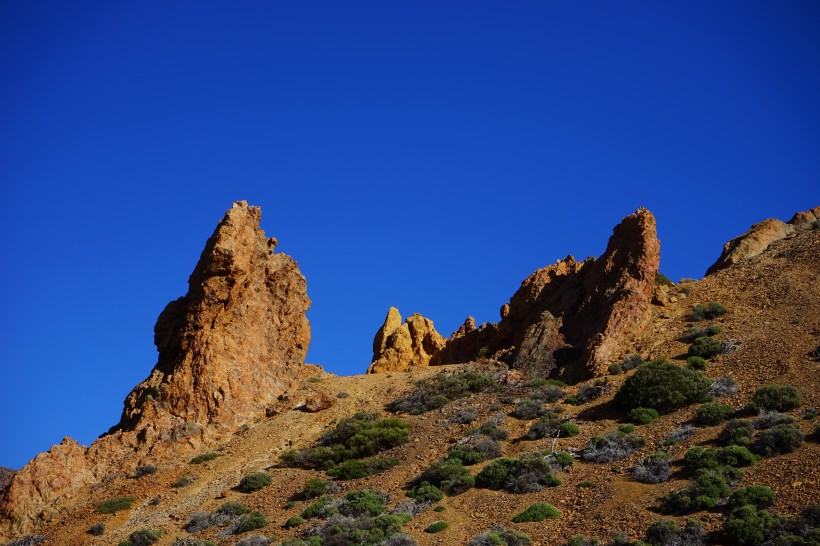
[145, 470]
[500, 536]
[615, 369]
[321, 508]
[438, 508]
[664, 532]
[736, 456]
[528, 409]
[295, 521]
[662, 385]
[697, 363]
[713, 413]
[425, 492]
[691, 334]
[642, 416]
[357, 503]
[96, 530]
[360, 468]
[702, 493]
[564, 459]
[436, 527]
[449, 475]
[759, 496]
[587, 484]
[778, 440]
[736, 432]
[612, 446]
[531, 472]
[115, 504]
[254, 482]
[316, 487]
[143, 537]
[697, 458]
[182, 481]
[663, 280]
[232, 508]
[199, 459]
[353, 438]
[250, 522]
[705, 347]
[776, 398]
[440, 390]
[568, 429]
[748, 526]
[538, 511]
[709, 311]
[626, 428]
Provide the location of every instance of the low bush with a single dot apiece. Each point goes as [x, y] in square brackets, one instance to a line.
[776, 398]
[183, 481]
[778, 440]
[250, 522]
[425, 492]
[652, 469]
[691, 334]
[500, 536]
[528, 409]
[439, 391]
[631, 362]
[709, 311]
[612, 446]
[436, 527]
[664, 532]
[114, 504]
[317, 487]
[538, 511]
[145, 470]
[474, 452]
[197, 542]
[353, 438]
[697, 363]
[768, 419]
[360, 468]
[254, 482]
[551, 426]
[548, 394]
[705, 347]
[615, 369]
[642, 416]
[747, 526]
[96, 530]
[759, 496]
[449, 475]
[736, 432]
[568, 429]
[199, 459]
[722, 386]
[464, 416]
[295, 521]
[262, 540]
[626, 428]
[704, 492]
[531, 472]
[662, 385]
[713, 413]
[142, 537]
[735, 456]
[683, 432]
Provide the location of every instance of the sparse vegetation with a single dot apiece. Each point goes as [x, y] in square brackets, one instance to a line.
[317, 487]
[500, 536]
[691, 334]
[705, 347]
[711, 414]
[653, 469]
[425, 492]
[709, 311]
[182, 481]
[776, 398]
[548, 394]
[531, 472]
[439, 391]
[473, 452]
[96, 530]
[145, 470]
[436, 527]
[199, 459]
[528, 409]
[612, 446]
[664, 532]
[449, 475]
[142, 537]
[642, 416]
[254, 482]
[536, 512]
[360, 468]
[464, 416]
[722, 386]
[662, 385]
[551, 425]
[295, 521]
[631, 362]
[115, 504]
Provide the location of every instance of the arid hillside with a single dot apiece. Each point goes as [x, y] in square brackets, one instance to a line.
[605, 399]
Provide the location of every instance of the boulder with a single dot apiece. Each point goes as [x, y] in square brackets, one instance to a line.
[398, 346]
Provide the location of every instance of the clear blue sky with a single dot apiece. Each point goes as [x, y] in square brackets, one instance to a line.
[427, 155]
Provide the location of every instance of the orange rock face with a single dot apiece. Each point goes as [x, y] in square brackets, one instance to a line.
[570, 314]
[227, 350]
[399, 346]
[760, 236]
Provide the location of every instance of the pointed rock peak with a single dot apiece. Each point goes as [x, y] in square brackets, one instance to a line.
[762, 234]
[398, 346]
[236, 340]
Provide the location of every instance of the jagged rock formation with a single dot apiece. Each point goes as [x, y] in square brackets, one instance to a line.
[398, 346]
[760, 236]
[227, 350]
[579, 311]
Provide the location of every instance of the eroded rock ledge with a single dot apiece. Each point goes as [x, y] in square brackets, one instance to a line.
[570, 314]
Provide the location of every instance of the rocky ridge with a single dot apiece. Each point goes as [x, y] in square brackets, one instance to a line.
[228, 349]
[571, 314]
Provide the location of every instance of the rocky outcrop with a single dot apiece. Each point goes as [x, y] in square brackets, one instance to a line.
[762, 234]
[6, 474]
[570, 314]
[398, 346]
[229, 348]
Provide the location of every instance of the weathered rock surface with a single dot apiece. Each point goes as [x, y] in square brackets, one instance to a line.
[400, 346]
[762, 234]
[582, 309]
[318, 401]
[6, 474]
[227, 350]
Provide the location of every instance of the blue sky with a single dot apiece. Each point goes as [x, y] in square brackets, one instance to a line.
[427, 155]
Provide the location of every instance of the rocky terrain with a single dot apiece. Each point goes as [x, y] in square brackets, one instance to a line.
[232, 414]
